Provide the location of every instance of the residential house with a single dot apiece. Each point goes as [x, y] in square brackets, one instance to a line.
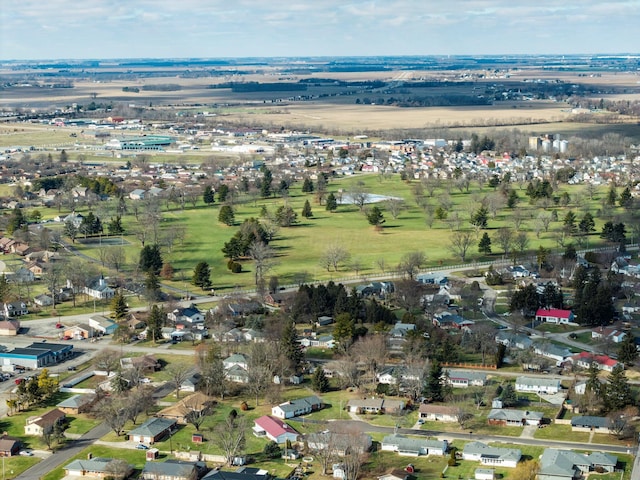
[395, 475]
[145, 364]
[514, 418]
[616, 335]
[589, 423]
[77, 404]
[438, 413]
[42, 424]
[511, 339]
[102, 324]
[242, 473]
[237, 374]
[555, 315]
[374, 405]
[465, 378]
[97, 467]
[537, 385]
[153, 430]
[196, 403]
[552, 351]
[99, 289]
[400, 330]
[36, 267]
[274, 429]
[320, 341]
[9, 446]
[484, 474]
[340, 442]
[245, 308]
[375, 289]
[569, 465]
[495, 456]
[15, 309]
[172, 470]
[137, 194]
[22, 275]
[433, 279]
[413, 446]
[585, 359]
[43, 300]
[295, 408]
[449, 321]
[518, 271]
[9, 328]
[190, 315]
[191, 383]
[237, 359]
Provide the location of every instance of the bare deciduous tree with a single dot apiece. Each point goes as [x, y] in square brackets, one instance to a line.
[411, 263]
[230, 436]
[460, 242]
[334, 256]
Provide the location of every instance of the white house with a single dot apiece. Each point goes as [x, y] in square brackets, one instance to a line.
[413, 446]
[537, 385]
[499, 457]
[295, 408]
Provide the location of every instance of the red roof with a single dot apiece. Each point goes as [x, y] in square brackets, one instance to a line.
[274, 426]
[601, 359]
[553, 312]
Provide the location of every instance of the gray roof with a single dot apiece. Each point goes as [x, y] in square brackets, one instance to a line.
[153, 427]
[413, 444]
[513, 415]
[561, 463]
[590, 421]
[479, 448]
[467, 374]
[307, 402]
[97, 464]
[172, 468]
[538, 382]
[76, 401]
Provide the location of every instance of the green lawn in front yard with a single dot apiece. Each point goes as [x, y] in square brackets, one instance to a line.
[134, 457]
[81, 424]
[14, 466]
[555, 431]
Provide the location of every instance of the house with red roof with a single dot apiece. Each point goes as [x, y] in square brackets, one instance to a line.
[585, 359]
[274, 429]
[555, 315]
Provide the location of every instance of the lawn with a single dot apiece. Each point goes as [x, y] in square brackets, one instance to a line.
[81, 424]
[134, 457]
[14, 466]
[555, 431]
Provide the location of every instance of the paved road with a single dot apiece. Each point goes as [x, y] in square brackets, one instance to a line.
[63, 455]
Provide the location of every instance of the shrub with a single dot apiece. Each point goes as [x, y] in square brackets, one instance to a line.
[236, 267]
[451, 462]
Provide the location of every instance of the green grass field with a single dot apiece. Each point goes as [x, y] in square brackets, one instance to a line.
[299, 248]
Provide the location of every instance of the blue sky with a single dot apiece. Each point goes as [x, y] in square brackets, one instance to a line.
[50, 29]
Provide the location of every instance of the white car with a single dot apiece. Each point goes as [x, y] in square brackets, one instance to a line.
[26, 453]
[145, 380]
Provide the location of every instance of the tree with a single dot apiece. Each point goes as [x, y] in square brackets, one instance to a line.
[627, 351]
[290, 346]
[70, 230]
[332, 203]
[208, 195]
[460, 242]
[263, 256]
[375, 217]
[394, 206]
[569, 222]
[618, 391]
[463, 416]
[306, 210]
[626, 199]
[113, 411]
[319, 381]
[195, 412]
[213, 376]
[119, 307]
[334, 255]
[229, 436]
[223, 192]
[587, 224]
[344, 330]
[115, 226]
[202, 276]
[504, 238]
[307, 185]
[155, 322]
[480, 217]
[286, 216]
[434, 384]
[411, 263]
[226, 215]
[16, 221]
[525, 470]
[484, 245]
[152, 287]
[150, 259]
[178, 374]
[509, 396]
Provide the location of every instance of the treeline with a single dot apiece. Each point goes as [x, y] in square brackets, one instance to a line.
[131, 89]
[430, 101]
[162, 87]
[99, 185]
[244, 87]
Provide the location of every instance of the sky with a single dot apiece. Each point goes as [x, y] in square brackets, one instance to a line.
[102, 29]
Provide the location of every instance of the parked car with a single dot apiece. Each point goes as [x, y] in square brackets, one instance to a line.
[142, 446]
[26, 453]
[71, 368]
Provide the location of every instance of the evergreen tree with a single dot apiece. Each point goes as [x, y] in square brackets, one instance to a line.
[307, 185]
[627, 351]
[375, 217]
[569, 222]
[319, 381]
[512, 199]
[115, 226]
[5, 289]
[226, 215]
[265, 185]
[593, 384]
[626, 200]
[150, 259]
[480, 218]
[119, 307]
[16, 221]
[509, 397]
[612, 196]
[208, 195]
[618, 391]
[484, 246]
[70, 230]
[291, 347]
[332, 203]
[155, 322]
[344, 329]
[202, 276]
[306, 210]
[151, 286]
[223, 191]
[433, 386]
[587, 224]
